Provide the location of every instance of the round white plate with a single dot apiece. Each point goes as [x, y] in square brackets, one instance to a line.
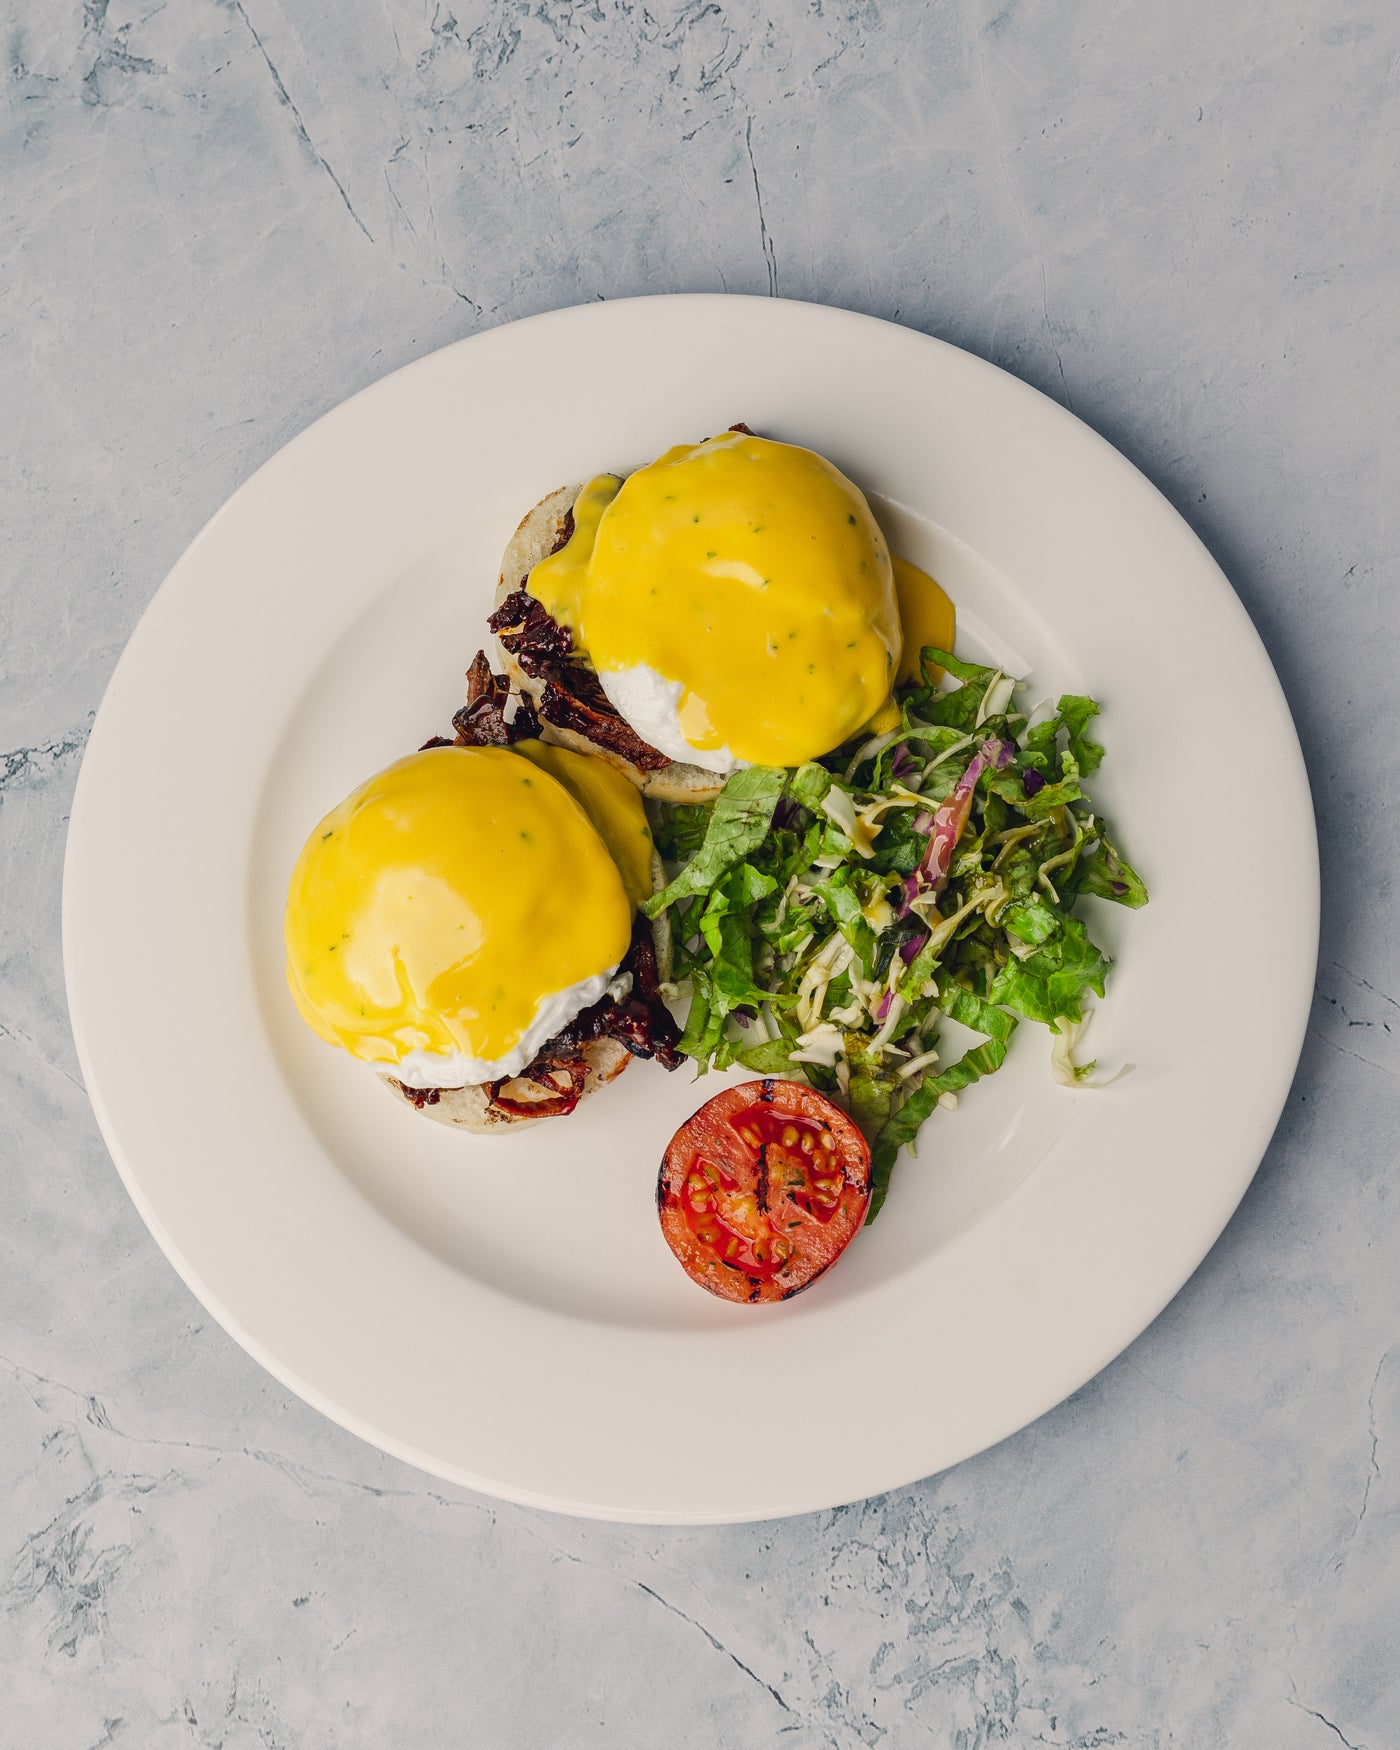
[504, 1312]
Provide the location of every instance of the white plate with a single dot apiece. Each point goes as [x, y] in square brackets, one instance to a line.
[504, 1313]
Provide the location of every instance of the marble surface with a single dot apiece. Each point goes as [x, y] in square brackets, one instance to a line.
[219, 219]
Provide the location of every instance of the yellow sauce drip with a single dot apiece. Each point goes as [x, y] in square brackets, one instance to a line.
[752, 573]
[928, 617]
[436, 906]
[613, 803]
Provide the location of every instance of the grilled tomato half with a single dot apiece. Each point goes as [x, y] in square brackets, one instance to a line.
[762, 1190]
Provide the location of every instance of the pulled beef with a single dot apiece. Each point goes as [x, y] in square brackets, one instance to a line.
[482, 721]
[574, 699]
[561, 1074]
[573, 696]
[525, 725]
[641, 1021]
[484, 686]
[663, 1035]
[533, 636]
[422, 1097]
[481, 725]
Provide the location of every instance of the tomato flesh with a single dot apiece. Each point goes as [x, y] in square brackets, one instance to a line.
[762, 1189]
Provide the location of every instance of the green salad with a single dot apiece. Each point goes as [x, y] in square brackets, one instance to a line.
[825, 921]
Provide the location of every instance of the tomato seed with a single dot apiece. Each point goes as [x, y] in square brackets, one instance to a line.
[806, 1142]
[790, 1134]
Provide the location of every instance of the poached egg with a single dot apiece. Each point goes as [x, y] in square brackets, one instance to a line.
[736, 598]
[453, 913]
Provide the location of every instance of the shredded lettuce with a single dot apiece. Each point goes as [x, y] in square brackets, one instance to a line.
[824, 924]
[1054, 980]
[736, 828]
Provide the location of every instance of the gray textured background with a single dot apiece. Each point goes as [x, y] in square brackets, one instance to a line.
[218, 220]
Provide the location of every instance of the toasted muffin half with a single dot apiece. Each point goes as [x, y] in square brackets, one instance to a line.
[475, 1110]
[541, 532]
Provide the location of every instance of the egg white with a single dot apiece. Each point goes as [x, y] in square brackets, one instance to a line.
[651, 704]
[451, 1069]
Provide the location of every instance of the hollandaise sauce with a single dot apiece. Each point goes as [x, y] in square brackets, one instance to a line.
[613, 803]
[749, 573]
[927, 616]
[445, 901]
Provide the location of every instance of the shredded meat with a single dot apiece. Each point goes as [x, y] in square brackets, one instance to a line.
[574, 699]
[561, 1076]
[533, 637]
[662, 1035]
[483, 685]
[422, 1097]
[640, 1021]
[482, 721]
[525, 725]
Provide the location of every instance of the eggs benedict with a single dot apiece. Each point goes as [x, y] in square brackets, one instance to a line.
[463, 923]
[731, 603]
